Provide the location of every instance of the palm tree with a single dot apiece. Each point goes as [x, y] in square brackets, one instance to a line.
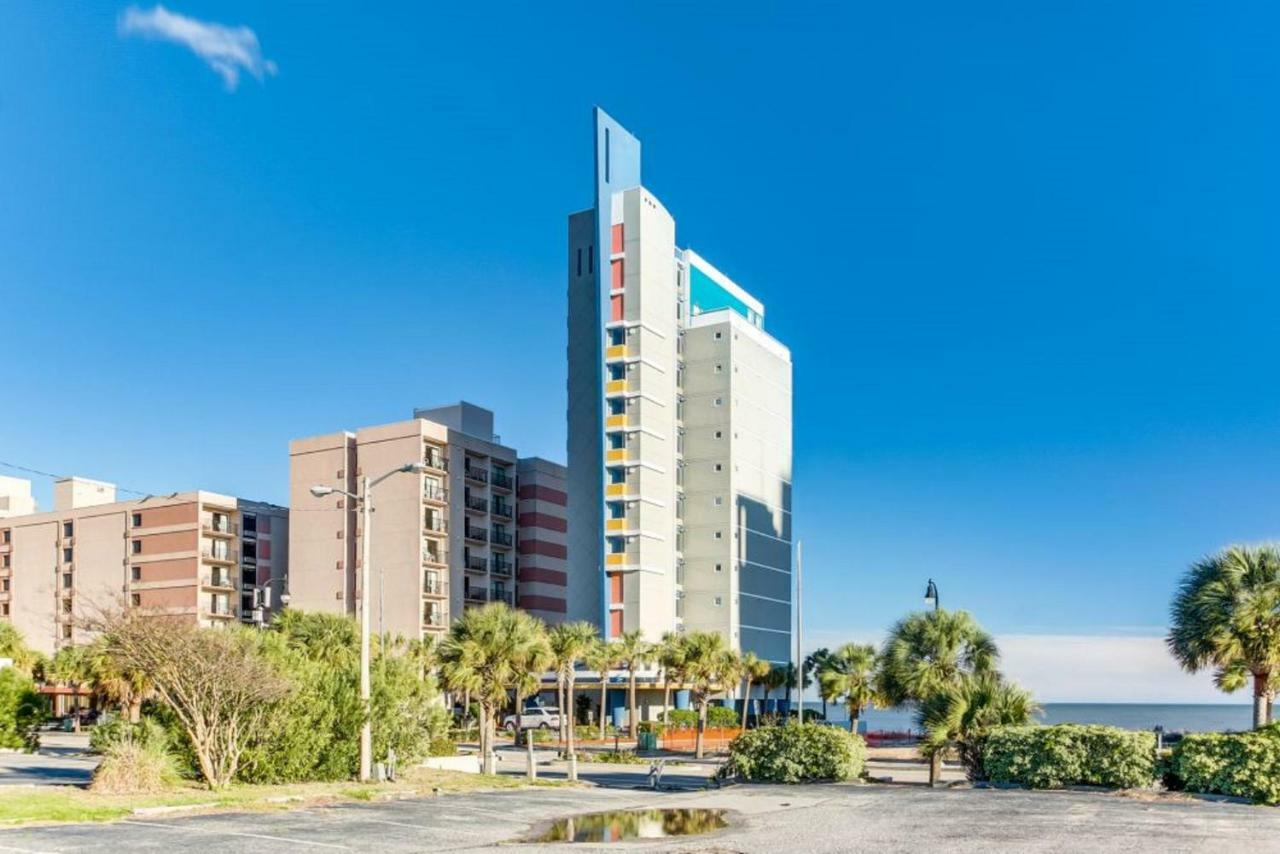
[1226, 615]
[70, 668]
[776, 679]
[601, 658]
[754, 669]
[813, 664]
[570, 642]
[488, 651]
[670, 655]
[929, 652]
[708, 665]
[124, 687]
[14, 647]
[849, 674]
[532, 657]
[964, 714]
[634, 652]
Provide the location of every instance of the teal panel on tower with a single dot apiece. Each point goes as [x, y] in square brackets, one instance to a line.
[705, 294]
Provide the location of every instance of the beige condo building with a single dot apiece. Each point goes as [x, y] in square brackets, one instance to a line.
[203, 555]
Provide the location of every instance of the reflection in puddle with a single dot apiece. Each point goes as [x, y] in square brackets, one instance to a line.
[620, 825]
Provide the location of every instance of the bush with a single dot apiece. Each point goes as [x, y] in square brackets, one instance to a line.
[717, 716]
[442, 747]
[1245, 765]
[1050, 757]
[146, 732]
[796, 754]
[22, 710]
[134, 767]
[620, 757]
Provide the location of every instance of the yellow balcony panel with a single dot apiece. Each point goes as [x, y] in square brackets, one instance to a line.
[616, 489]
[615, 560]
[615, 386]
[616, 524]
[616, 455]
[617, 351]
[616, 421]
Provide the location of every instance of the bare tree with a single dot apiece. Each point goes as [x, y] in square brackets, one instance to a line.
[214, 680]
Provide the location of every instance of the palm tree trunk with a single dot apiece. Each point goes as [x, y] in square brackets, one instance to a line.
[702, 726]
[1261, 686]
[564, 711]
[746, 704]
[631, 703]
[604, 687]
[935, 768]
[486, 740]
[572, 721]
[854, 714]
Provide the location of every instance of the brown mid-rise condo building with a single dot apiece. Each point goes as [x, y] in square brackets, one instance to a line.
[213, 558]
[445, 537]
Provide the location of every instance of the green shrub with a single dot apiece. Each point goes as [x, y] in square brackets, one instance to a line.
[717, 716]
[796, 754]
[620, 757]
[22, 710]
[1245, 765]
[148, 731]
[442, 747]
[1050, 757]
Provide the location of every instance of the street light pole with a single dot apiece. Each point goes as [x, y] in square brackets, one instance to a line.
[800, 629]
[365, 500]
[931, 595]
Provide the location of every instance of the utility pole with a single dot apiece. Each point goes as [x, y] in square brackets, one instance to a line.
[366, 726]
[800, 630]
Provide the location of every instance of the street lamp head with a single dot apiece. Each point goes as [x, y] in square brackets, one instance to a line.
[414, 468]
[931, 595]
[321, 491]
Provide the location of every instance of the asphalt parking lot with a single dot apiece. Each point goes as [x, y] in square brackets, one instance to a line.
[764, 819]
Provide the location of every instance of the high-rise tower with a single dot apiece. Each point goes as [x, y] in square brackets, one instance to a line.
[679, 426]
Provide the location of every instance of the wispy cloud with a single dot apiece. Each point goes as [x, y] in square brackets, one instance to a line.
[227, 50]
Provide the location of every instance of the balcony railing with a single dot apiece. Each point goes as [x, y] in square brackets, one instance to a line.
[477, 474]
[210, 554]
[219, 579]
[434, 492]
[225, 527]
[501, 479]
[502, 567]
[433, 620]
[500, 538]
[434, 524]
[476, 564]
[432, 587]
[501, 508]
[476, 594]
[477, 534]
[435, 461]
[477, 503]
[222, 609]
[507, 596]
[429, 556]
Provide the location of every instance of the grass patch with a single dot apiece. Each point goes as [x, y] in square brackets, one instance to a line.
[51, 804]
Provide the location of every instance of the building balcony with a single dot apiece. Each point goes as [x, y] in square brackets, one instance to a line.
[434, 494]
[616, 351]
[507, 596]
[477, 504]
[222, 610]
[432, 558]
[477, 474]
[433, 587]
[476, 594]
[501, 508]
[434, 526]
[476, 564]
[219, 581]
[435, 459]
[501, 480]
[505, 568]
[219, 529]
[433, 620]
[479, 535]
[501, 538]
[213, 556]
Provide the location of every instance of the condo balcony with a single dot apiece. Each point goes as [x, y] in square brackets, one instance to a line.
[501, 508]
[504, 568]
[476, 563]
[213, 555]
[432, 557]
[476, 594]
[477, 474]
[433, 620]
[434, 493]
[219, 526]
[477, 504]
[507, 596]
[219, 580]
[432, 586]
[434, 458]
[500, 538]
[434, 525]
[480, 535]
[501, 480]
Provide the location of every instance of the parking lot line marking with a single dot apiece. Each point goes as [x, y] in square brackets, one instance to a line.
[234, 833]
[23, 850]
[491, 813]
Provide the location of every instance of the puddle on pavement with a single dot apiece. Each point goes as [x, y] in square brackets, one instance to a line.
[622, 825]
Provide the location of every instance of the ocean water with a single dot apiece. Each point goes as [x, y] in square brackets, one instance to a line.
[1173, 717]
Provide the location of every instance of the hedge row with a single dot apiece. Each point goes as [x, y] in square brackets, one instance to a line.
[1050, 757]
[1245, 765]
[796, 754]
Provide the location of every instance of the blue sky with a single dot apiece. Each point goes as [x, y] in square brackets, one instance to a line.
[1024, 259]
